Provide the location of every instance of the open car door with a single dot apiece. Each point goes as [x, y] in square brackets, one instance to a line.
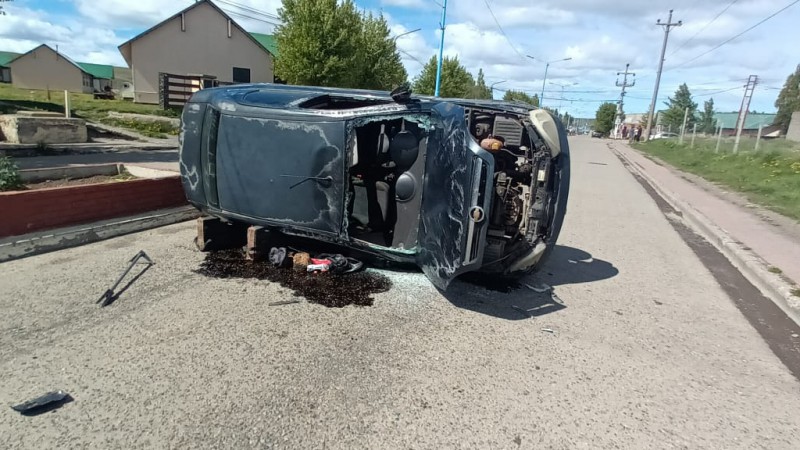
[455, 199]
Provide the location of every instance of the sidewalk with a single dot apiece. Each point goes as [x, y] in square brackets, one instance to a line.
[766, 251]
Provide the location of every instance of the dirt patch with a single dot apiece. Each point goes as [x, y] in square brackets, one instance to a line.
[333, 291]
[64, 182]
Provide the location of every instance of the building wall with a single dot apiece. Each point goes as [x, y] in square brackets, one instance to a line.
[43, 68]
[793, 134]
[202, 47]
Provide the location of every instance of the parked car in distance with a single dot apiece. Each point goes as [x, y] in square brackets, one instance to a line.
[450, 185]
[597, 134]
[665, 135]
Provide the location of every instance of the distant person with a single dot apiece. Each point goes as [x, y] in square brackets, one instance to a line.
[638, 133]
[624, 131]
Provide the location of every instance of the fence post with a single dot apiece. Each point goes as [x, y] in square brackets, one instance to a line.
[758, 138]
[683, 127]
[67, 112]
[694, 134]
[719, 138]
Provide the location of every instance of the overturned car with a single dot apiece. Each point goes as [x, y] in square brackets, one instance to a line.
[450, 185]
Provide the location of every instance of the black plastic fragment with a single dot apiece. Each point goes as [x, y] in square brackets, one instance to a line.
[45, 403]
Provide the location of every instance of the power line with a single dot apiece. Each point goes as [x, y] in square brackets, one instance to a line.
[249, 9]
[245, 16]
[501, 30]
[719, 92]
[704, 27]
[738, 35]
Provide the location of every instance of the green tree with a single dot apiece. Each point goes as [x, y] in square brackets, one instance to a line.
[456, 81]
[707, 124]
[676, 108]
[604, 118]
[788, 100]
[481, 90]
[379, 63]
[317, 42]
[519, 96]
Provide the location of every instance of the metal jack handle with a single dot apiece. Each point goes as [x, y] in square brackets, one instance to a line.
[108, 296]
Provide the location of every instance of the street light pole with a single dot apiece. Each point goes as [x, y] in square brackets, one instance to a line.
[441, 50]
[546, 67]
[562, 92]
[403, 34]
[491, 87]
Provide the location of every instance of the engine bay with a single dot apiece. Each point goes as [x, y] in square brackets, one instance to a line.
[522, 183]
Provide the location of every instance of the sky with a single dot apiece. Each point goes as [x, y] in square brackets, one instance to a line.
[500, 37]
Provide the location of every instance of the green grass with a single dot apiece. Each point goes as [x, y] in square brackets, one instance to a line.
[769, 177]
[146, 128]
[82, 105]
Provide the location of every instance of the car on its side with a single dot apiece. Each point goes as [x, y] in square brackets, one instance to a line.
[451, 185]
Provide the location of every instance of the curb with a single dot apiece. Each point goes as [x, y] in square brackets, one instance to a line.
[752, 266]
[38, 243]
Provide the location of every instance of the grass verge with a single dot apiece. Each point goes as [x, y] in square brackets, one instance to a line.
[82, 105]
[769, 177]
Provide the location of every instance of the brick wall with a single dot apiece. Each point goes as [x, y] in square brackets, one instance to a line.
[41, 209]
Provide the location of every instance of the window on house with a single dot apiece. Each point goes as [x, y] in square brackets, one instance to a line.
[87, 80]
[241, 75]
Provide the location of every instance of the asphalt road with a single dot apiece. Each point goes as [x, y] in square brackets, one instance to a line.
[647, 350]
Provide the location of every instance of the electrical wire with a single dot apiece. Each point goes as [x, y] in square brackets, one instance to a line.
[704, 27]
[249, 9]
[245, 16]
[502, 31]
[734, 37]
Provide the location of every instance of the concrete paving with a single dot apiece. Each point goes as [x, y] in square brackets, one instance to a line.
[647, 351]
[775, 239]
[155, 159]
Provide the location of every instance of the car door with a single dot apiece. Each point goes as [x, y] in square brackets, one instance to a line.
[454, 198]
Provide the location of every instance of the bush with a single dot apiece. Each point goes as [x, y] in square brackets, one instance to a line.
[9, 175]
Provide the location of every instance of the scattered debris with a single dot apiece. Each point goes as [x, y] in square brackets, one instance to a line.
[540, 290]
[43, 404]
[556, 298]
[277, 256]
[300, 261]
[548, 330]
[109, 296]
[619, 313]
[794, 335]
[331, 289]
[658, 302]
[284, 302]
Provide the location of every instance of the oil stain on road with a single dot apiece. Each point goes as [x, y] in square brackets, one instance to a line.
[331, 290]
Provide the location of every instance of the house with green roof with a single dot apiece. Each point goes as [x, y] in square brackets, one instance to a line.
[5, 71]
[201, 46]
[46, 68]
[727, 120]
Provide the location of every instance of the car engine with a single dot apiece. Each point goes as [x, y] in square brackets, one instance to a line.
[521, 184]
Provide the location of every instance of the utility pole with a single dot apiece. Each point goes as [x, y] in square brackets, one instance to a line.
[441, 49]
[620, 104]
[752, 81]
[667, 26]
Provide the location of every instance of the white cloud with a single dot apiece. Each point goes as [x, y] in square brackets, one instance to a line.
[24, 29]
